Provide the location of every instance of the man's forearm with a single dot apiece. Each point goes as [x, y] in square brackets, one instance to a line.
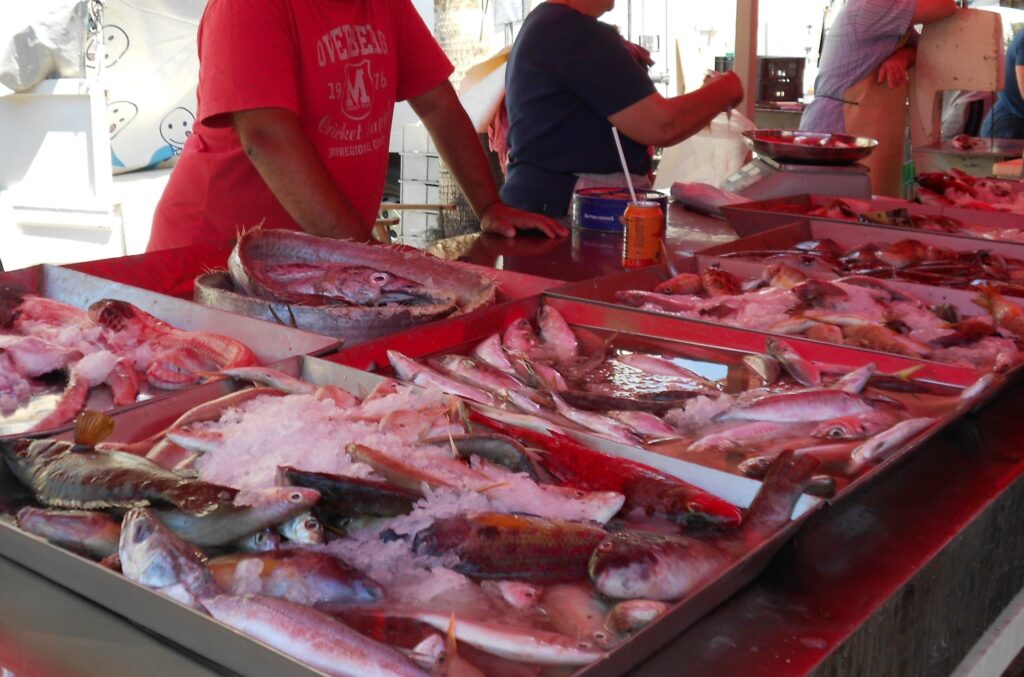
[292, 169]
[458, 145]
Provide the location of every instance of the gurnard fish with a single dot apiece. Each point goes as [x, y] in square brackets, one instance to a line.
[65, 475]
[152, 555]
[94, 534]
[302, 576]
[228, 523]
[309, 636]
[647, 565]
[797, 407]
[179, 357]
[513, 547]
[644, 487]
[516, 643]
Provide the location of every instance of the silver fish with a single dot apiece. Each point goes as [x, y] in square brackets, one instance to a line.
[881, 444]
[229, 523]
[596, 422]
[489, 351]
[309, 636]
[151, 554]
[413, 372]
[856, 380]
[302, 528]
[557, 335]
[802, 370]
[516, 643]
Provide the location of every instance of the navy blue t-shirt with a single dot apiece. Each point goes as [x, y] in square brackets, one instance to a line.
[566, 74]
[1010, 96]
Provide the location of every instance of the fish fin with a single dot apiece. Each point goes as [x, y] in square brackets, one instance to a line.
[450, 645]
[906, 374]
[92, 427]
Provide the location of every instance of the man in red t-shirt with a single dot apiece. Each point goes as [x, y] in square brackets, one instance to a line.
[294, 121]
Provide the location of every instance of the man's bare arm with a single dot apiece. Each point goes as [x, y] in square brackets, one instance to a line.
[284, 156]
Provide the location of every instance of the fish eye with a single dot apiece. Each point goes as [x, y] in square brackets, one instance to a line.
[600, 636]
[584, 645]
[605, 547]
[835, 433]
[311, 524]
[296, 497]
[379, 277]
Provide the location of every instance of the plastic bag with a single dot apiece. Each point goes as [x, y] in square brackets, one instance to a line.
[41, 39]
[709, 156]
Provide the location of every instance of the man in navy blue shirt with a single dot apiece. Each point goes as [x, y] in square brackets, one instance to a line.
[1006, 119]
[570, 78]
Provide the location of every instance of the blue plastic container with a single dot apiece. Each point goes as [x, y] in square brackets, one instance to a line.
[602, 208]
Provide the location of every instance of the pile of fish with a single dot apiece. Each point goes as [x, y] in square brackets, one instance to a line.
[909, 260]
[346, 532]
[352, 291]
[861, 211]
[855, 310]
[960, 189]
[112, 344]
[748, 414]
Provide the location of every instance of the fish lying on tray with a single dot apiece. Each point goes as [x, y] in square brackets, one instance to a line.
[337, 288]
[699, 405]
[960, 189]
[855, 310]
[113, 344]
[425, 526]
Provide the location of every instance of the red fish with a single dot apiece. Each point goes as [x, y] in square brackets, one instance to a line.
[643, 486]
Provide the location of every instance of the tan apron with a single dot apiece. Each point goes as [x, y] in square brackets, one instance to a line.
[880, 113]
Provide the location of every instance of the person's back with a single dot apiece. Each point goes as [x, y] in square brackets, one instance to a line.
[1006, 119]
[567, 73]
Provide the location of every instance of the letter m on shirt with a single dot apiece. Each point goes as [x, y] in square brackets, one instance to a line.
[357, 101]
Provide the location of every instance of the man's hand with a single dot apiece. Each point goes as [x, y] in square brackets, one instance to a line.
[895, 71]
[504, 220]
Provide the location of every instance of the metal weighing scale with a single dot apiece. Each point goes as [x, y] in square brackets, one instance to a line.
[791, 162]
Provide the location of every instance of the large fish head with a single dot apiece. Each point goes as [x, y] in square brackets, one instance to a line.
[151, 554]
[639, 564]
[443, 536]
[26, 456]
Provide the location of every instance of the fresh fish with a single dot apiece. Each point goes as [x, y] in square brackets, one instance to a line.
[89, 372]
[499, 449]
[538, 374]
[599, 423]
[683, 283]
[325, 284]
[1006, 313]
[152, 555]
[644, 487]
[393, 470]
[665, 302]
[650, 402]
[302, 528]
[745, 436]
[309, 636]
[411, 371]
[263, 540]
[517, 594]
[978, 387]
[270, 377]
[802, 370]
[797, 407]
[489, 351]
[513, 547]
[32, 356]
[179, 357]
[302, 576]
[519, 338]
[855, 381]
[451, 664]
[644, 423]
[657, 366]
[64, 475]
[557, 335]
[344, 497]
[482, 376]
[634, 615]
[228, 523]
[647, 565]
[765, 367]
[853, 427]
[575, 611]
[876, 448]
[94, 534]
[877, 337]
[196, 440]
[516, 643]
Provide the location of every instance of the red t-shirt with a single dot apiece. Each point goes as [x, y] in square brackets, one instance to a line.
[340, 65]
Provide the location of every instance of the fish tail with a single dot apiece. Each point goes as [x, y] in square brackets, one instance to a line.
[781, 489]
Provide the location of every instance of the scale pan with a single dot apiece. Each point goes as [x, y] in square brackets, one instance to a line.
[809, 148]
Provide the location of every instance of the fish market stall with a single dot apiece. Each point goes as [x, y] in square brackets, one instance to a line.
[864, 585]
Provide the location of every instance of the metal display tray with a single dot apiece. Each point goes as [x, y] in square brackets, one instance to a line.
[748, 218]
[702, 340]
[224, 646]
[269, 342]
